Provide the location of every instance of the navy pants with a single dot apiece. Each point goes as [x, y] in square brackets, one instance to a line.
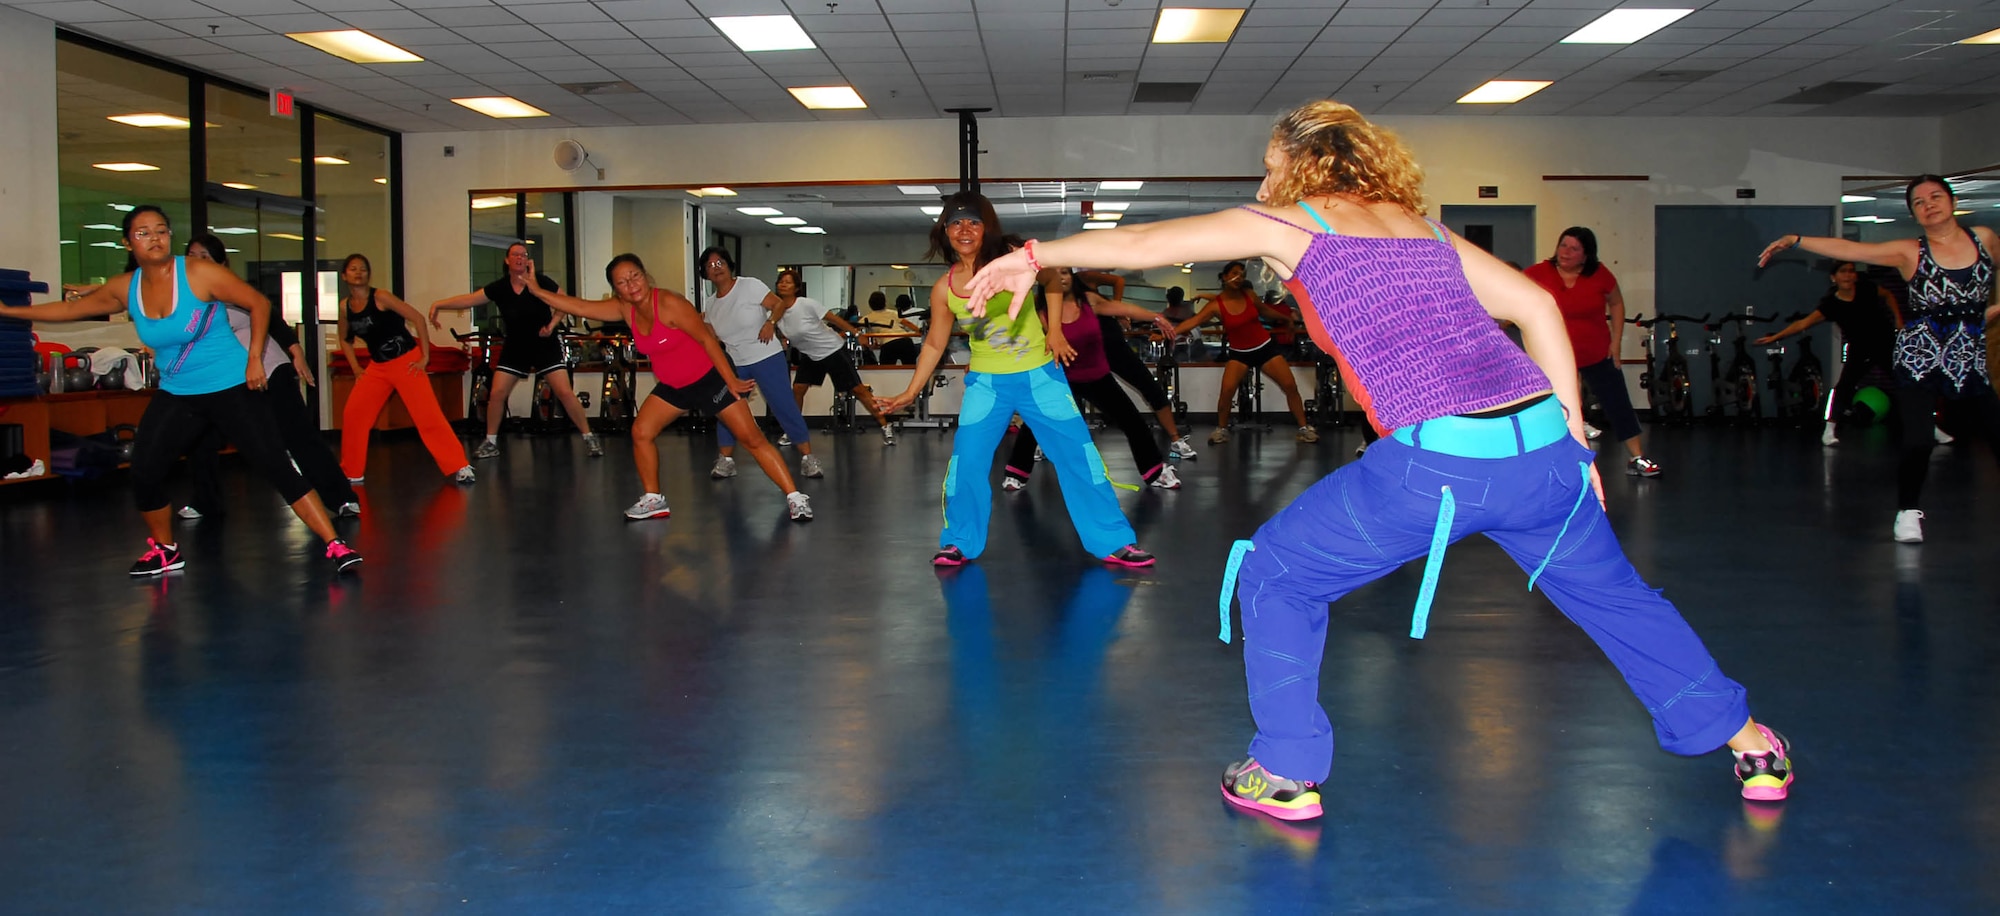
[1373, 515]
[773, 376]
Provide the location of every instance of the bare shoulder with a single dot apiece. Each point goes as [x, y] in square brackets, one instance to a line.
[1986, 236]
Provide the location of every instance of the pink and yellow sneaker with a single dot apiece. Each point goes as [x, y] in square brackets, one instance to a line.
[1766, 776]
[1249, 786]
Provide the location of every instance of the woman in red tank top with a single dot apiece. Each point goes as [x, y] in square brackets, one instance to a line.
[1250, 348]
[690, 372]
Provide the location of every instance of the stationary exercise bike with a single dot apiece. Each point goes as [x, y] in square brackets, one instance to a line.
[1734, 390]
[546, 415]
[616, 403]
[1795, 394]
[1670, 387]
[1167, 371]
[481, 348]
[1324, 406]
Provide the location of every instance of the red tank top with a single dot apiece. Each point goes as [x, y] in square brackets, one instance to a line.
[1244, 330]
[678, 359]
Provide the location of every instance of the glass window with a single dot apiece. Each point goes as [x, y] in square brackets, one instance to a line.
[495, 225]
[547, 221]
[351, 181]
[107, 166]
[249, 150]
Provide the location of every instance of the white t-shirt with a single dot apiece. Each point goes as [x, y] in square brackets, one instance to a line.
[239, 322]
[805, 326]
[738, 317]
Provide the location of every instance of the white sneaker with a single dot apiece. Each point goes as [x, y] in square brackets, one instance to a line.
[1220, 435]
[784, 440]
[1591, 432]
[348, 510]
[1167, 479]
[1308, 434]
[356, 481]
[888, 435]
[724, 467]
[1942, 437]
[1828, 437]
[594, 445]
[1038, 453]
[800, 506]
[1909, 526]
[1361, 449]
[1181, 448]
[1012, 484]
[809, 467]
[651, 505]
[189, 512]
[465, 475]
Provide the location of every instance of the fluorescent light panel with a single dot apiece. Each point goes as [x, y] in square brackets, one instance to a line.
[764, 33]
[501, 106]
[760, 211]
[715, 192]
[1192, 26]
[104, 227]
[240, 186]
[1983, 38]
[1501, 92]
[808, 230]
[355, 45]
[1855, 198]
[1115, 206]
[915, 190]
[932, 211]
[1623, 27]
[152, 119]
[125, 166]
[381, 181]
[1097, 225]
[230, 230]
[1120, 185]
[827, 97]
[489, 203]
[1108, 217]
[785, 221]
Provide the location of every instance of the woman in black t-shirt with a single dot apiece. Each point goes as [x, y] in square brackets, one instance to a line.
[1868, 317]
[528, 347]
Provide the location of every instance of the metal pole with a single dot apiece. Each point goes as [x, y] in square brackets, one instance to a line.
[968, 147]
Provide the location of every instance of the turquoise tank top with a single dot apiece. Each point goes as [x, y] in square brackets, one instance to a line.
[193, 346]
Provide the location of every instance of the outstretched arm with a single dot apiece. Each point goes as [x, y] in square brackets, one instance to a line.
[459, 303]
[1795, 327]
[101, 301]
[1900, 254]
[1207, 312]
[932, 353]
[593, 309]
[1119, 308]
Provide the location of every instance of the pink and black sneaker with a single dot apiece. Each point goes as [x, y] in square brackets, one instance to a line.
[342, 556]
[158, 559]
[1247, 785]
[949, 556]
[1766, 776]
[1131, 556]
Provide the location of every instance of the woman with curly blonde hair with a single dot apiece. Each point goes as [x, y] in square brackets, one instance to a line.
[1479, 437]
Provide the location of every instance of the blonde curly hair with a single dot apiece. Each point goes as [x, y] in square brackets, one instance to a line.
[1332, 149]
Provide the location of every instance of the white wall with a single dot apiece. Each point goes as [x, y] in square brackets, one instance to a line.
[1969, 140]
[29, 232]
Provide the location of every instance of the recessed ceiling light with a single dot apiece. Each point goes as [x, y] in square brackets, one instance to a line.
[67, 242]
[808, 230]
[122, 208]
[899, 267]
[488, 203]
[1120, 185]
[355, 45]
[1097, 225]
[915, 190]
[827, 97]
[785, 221]
[1188, 26]
[1501, 92]
[760, 211]
[330, 160]
[104, 227]
[714, 192]
[381, 181]
[501, 106]
[1961, 212]
[764, 33]
[287, 236]
[1111, 216]
[106, 245]
[152, 119]
[553, 219]
[1983, 38]
[535, 214]
[1114, 206]
[1623, 27]
[932, 211]
[125, 167]
[233, 230]
[240, 186]
[1855, 198]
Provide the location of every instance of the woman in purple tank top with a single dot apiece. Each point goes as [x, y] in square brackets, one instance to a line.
[1477, 440]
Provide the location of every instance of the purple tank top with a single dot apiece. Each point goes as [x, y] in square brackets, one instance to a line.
[1410, 336]
[1087, 336]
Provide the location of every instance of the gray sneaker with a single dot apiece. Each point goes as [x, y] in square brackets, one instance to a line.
[888, 435]
[1181, 448]
[724, 467]
[809, 466]
[189, 512]
[1167, 479]
[799, 506]
[349, 510]
[465, 475]
[594, 446]
[487, 449]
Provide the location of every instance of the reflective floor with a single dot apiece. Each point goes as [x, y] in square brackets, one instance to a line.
[526, 704]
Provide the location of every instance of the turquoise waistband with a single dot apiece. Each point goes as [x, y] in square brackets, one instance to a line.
[1489, 437]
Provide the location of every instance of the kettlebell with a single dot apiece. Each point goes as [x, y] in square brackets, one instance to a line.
[126, 435]
[76, 372]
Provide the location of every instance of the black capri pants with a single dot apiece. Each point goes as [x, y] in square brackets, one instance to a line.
[1127, 365]
[174, 423]
[1607, 381]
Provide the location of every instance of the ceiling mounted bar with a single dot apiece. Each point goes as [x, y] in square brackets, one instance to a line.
[968, 147]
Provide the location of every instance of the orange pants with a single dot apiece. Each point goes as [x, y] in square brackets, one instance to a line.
[364, 404]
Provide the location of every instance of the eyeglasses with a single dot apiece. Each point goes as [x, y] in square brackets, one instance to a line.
[145, 234]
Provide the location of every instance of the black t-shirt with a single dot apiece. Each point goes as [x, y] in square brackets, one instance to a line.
[521, 313]
[385, 332]
[1867, 324]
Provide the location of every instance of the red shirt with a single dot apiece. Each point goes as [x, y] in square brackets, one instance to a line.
[1585, 313]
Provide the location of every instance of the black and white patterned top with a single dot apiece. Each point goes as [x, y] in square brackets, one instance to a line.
[1943, 340]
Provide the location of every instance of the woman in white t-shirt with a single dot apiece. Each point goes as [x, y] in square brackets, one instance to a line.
[741, 312]
[822, 353]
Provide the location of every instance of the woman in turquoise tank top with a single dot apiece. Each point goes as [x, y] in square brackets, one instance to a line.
[1011, 372]
[207, 380]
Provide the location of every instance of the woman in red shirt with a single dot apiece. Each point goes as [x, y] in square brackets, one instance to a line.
[1585, 291]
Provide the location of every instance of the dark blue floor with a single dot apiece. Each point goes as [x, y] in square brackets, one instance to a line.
[525, 704]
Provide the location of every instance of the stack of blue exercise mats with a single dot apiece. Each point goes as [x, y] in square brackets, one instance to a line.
[17, 341]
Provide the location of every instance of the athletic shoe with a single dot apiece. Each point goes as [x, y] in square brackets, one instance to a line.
[809, 466]
[1909, 526]
[356, 481]
[1181, 448]
[1167, 479]
[784, 440]
[342, 556]
[465, 475]
[1642, 466]
[651, 505]
[1942, 437]
[1591, 432]
[158, 559]
[724, 467]
[189, 512]
[1308, 434]
[800, 506]
[1013, 484]
[1766, 776]
[348, 510]
[593, 445]
[1131, 555]
[1247, 785]
[1220, 435]
[1828, 437]
[949, 556]
[1038, 453]
[487, 449]
[888, 435]
[1361, 450]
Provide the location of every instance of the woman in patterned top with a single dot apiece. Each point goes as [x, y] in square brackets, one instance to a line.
[1941, 350]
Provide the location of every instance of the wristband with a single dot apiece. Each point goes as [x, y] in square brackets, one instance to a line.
[1030, 249]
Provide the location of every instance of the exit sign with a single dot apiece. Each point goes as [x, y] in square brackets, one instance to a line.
[283, 105]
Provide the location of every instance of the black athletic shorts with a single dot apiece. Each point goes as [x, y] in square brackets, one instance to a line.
[1256, 359]
[709, 393]
[530, 357]
[839, 365]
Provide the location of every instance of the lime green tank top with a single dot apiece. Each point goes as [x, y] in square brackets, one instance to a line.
[1000, 346]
